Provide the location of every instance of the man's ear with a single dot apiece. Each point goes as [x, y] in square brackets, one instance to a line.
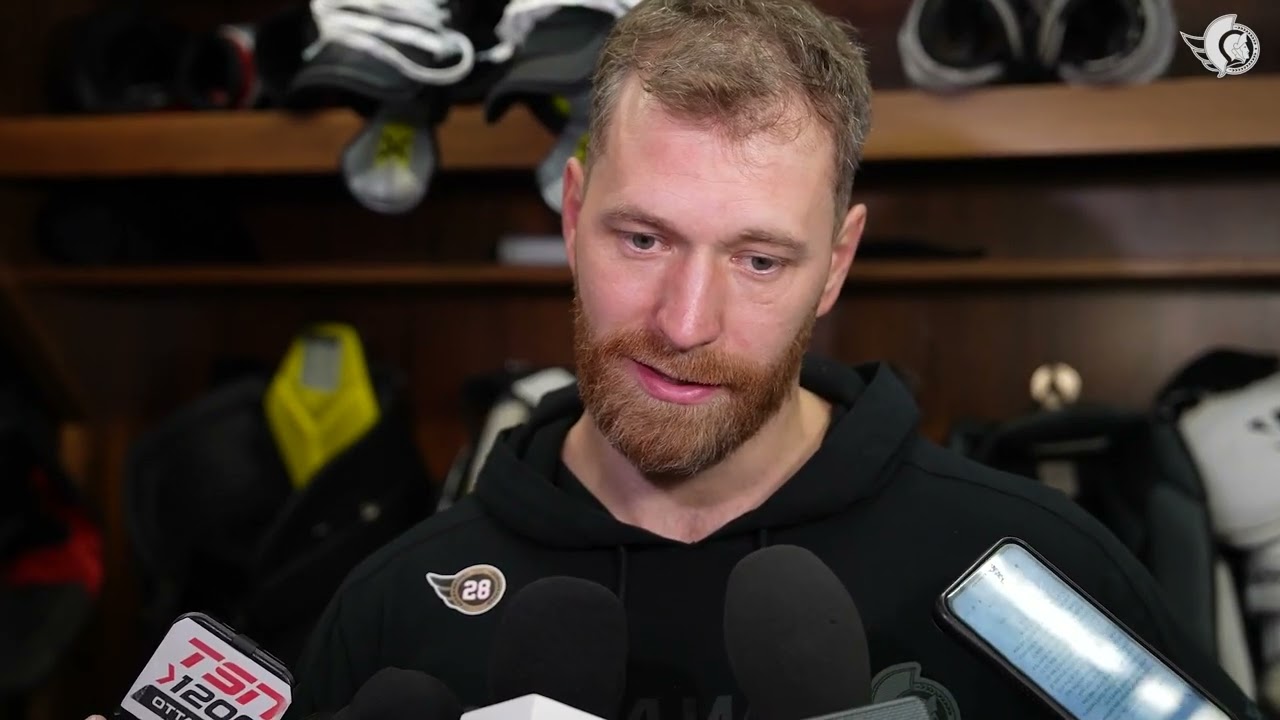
[571, 207]
[842, 252]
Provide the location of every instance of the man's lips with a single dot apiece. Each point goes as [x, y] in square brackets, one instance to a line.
[664, 387]
[672, 378]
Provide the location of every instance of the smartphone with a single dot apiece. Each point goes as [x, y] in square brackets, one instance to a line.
[205, 670]
[1050, 636]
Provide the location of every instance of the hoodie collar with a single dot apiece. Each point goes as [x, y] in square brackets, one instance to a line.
[856, 459]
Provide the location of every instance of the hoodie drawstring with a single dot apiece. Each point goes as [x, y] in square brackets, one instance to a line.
[622, 574]
[762, 538]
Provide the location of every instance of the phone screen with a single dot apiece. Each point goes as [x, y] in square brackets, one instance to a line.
[1067, 647]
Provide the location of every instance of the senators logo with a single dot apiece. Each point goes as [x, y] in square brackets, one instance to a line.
[472, 591]
[905, 680]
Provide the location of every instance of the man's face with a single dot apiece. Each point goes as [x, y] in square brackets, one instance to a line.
[700, 265]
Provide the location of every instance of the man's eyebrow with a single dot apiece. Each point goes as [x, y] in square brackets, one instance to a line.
[769, 237]
[632, 214]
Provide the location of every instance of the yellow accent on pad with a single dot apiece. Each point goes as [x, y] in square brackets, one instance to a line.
[395, 145]
[580, 152]
[321, 400]
[561, 104]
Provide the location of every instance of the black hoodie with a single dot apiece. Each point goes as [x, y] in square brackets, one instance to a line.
[896, 517]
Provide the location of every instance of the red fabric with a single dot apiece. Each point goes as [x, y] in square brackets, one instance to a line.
[78, 559]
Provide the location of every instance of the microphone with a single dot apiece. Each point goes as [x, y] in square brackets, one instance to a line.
[399, 694]
[565, 639]
[796, 643]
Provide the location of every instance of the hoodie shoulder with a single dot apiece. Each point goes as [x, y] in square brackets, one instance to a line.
[949, 466]
[981, 501]
[989, 494]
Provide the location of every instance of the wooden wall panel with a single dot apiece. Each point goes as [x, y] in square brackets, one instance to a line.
[1116, 207]
[974, 353]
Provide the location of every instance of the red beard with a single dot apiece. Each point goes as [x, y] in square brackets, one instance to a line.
[668, 440]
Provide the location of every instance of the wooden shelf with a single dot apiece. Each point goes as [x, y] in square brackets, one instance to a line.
[865, 274]
[1174, 115]
[292, 276]
[1167, 116]
[242, 143]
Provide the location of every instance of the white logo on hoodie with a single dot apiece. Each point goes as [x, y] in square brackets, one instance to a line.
[905, 680]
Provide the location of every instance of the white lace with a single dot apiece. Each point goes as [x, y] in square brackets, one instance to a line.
[1144, 63]
[371, 26]
[519, 17]
[925, 72]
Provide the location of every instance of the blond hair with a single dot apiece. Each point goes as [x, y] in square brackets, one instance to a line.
[739, 65]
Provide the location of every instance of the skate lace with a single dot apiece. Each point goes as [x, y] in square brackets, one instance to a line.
[377, 26]
[924, 71]
[519, 17]
[1146, 61]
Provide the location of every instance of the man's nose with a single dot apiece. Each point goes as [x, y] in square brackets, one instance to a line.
[690, 311]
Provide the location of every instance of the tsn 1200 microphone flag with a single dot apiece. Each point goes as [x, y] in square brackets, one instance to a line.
[204, 670]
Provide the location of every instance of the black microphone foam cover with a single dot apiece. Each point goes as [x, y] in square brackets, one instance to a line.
[794, 636]
[399, 694]
[563, 638]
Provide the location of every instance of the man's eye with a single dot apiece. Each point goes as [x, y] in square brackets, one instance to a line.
[640, 241]
[762, 264]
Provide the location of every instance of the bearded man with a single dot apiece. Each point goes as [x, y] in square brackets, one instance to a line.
[710, 226]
